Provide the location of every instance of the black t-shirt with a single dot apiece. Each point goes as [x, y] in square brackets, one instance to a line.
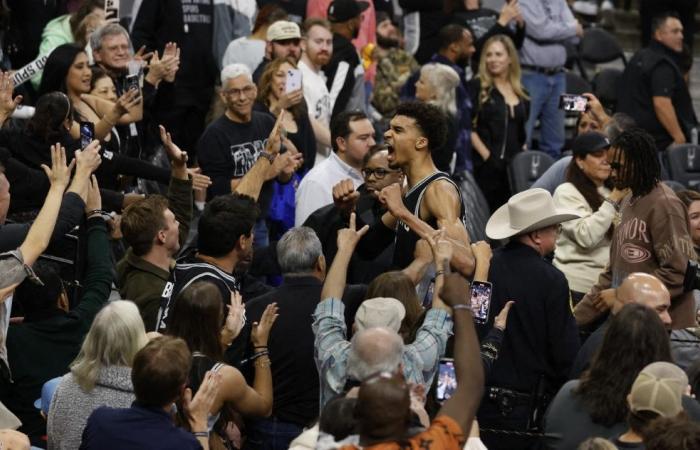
[198, 69]
[188, 270]
[228, 149]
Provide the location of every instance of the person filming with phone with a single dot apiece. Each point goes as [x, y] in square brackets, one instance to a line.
[541, 340]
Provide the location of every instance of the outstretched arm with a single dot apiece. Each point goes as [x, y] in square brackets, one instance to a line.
[334, 285]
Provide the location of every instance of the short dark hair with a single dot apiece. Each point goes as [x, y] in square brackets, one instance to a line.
[141, 222]
[659, 20]
[373, 150]
[224, 220]
[269, 14]
[449, 34]
[429, 119]
[642, 170]
[160, 370]
[675, 433]
[34, 298]
[340, 125]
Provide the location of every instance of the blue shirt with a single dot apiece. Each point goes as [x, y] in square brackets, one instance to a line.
[135, 428]
[420, 359]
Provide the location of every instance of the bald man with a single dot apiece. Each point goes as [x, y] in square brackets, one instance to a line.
[641, 288]
[383, 403]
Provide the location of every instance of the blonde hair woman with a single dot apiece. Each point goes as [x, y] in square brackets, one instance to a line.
[502, 108]
[437, 85]
[99, 376]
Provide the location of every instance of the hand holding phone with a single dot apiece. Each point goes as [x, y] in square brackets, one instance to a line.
[447, 380]
[481, 300]
[572, 102]
[293, 82]
[87, 134]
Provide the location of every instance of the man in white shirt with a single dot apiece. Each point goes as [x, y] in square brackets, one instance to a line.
[317, 49]
[352, 136]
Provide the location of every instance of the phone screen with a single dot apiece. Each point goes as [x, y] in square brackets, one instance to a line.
[447, 381]
[87, 133]
[293, 82]
[481, 300]
[571, 102]
[132, 82]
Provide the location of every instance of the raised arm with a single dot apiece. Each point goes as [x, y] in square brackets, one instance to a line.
[39, 234]
[8, 103]
[334, 286]
[462, 406]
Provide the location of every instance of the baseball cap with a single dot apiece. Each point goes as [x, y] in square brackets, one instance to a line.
[589, 142]
[47, 391]
[380, 312]
[659, 388]
[282, 30]
[342, 10]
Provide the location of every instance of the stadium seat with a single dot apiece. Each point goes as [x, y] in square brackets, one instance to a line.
[526, 167]
[684, 164]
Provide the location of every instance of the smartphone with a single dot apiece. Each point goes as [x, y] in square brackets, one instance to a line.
[132, 82]
[293, 80]
[572, 102]
[447, 381]
[87, 133]
[481, 300]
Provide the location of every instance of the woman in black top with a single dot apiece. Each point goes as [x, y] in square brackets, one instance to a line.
[272, 94]
[67, 72]
[502, 109]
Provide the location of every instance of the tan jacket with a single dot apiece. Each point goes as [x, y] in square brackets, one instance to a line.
[652, 237]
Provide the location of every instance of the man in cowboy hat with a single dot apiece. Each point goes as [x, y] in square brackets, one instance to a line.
[541, 344]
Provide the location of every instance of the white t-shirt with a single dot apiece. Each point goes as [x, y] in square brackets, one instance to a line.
[316, 94]
[245, 51]
[316, 188]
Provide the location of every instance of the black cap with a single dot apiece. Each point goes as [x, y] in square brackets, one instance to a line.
[589, 142]
[344, 10]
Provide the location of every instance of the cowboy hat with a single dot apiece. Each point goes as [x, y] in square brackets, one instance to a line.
[526, 211]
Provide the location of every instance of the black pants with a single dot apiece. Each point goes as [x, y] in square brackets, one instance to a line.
[491, 418]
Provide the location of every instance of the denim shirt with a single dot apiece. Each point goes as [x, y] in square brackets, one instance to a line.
[420, 358]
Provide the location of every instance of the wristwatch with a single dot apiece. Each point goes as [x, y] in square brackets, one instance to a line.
[270, 157]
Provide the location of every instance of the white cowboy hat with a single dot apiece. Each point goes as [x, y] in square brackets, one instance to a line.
[526, 211]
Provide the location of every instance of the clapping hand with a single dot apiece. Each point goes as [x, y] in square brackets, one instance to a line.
[235, 319]
[59, 173]
[197, 409]
[7, 102]
[261, 330]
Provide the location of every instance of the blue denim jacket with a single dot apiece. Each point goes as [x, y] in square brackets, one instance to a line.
[420, 358]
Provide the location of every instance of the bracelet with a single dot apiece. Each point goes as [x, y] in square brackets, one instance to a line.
[101, 212]
[262, 363]
[259, 354]
[260, 346]
[202, 434]
[462, 306]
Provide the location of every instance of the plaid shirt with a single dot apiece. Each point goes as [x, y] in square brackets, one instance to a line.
[420, 358]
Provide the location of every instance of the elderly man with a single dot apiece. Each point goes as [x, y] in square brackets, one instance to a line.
[232, 145]
[653, 90]
[291, 343]
[383, 405]
[541, 340]
[640, 288]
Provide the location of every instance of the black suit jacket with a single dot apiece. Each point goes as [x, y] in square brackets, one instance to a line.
[291, 344]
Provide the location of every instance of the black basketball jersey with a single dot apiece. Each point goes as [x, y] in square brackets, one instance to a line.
[405, 237]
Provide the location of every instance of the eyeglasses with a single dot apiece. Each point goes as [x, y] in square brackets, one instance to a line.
[379, 173]
[247, 91]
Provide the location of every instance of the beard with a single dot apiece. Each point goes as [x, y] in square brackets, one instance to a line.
[387, 42]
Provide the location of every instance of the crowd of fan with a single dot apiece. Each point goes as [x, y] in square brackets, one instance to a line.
[256, 225]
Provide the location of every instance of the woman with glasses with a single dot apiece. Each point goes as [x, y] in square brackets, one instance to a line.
[502, 107]
[583, 246]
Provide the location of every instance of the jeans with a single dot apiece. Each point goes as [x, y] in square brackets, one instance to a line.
[271, 434]
[544, 93]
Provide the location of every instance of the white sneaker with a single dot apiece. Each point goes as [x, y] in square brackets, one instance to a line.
[585, 7]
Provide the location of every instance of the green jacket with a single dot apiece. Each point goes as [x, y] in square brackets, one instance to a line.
[41, 350]
[56, 32]
[143, 282]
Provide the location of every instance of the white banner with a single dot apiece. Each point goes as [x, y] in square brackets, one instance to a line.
[28, 71]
